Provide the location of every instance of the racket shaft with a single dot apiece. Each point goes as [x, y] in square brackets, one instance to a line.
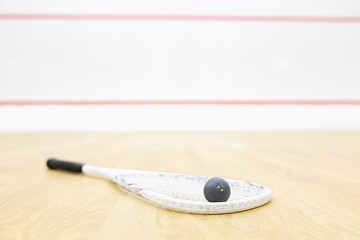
[76, 167]
[100, 172]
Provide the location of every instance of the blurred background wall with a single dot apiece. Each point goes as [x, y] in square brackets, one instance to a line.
[167, 65]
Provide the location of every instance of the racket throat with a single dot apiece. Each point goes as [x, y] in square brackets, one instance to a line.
[99, 172]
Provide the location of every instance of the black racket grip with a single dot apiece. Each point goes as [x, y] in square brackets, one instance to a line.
[54, 163]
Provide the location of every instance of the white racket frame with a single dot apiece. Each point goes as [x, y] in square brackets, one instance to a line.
[178, 204]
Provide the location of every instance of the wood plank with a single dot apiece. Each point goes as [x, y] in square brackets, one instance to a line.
[314, 177]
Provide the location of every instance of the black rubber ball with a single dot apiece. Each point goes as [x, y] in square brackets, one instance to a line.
[217, 190]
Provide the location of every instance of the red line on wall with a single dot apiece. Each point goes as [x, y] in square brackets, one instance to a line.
[143, 17]
[180, 102]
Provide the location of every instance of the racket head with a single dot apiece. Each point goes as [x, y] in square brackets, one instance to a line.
[184, 193]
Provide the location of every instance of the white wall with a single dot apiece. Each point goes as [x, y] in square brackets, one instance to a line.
[178, 118]
[182, 60]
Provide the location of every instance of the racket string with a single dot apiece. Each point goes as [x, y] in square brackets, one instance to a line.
[186, 187]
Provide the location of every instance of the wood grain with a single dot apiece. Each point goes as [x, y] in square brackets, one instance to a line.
[314, 176]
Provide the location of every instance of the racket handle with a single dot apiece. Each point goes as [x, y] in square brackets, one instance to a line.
[54, 163]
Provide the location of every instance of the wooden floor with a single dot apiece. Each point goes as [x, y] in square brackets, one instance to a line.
[314, 176]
